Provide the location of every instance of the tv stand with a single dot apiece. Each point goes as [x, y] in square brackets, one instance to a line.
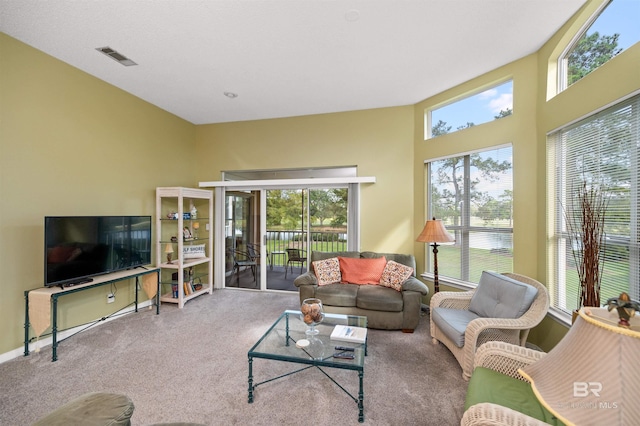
[58, 291]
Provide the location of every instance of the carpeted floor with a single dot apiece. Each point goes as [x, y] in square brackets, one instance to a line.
[190, 365]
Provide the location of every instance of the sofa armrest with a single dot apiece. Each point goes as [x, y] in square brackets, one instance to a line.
[414, 284]
[505, 358]
[308, 278]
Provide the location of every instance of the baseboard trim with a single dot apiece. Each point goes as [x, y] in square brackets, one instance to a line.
[48, 341]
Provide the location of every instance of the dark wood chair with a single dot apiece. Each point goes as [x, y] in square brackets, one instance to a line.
[295, 255]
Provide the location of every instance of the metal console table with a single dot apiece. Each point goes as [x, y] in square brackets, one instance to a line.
[57, 292]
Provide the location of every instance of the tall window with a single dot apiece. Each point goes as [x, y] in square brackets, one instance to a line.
[600, 150]
[473, 195]
[613, 29]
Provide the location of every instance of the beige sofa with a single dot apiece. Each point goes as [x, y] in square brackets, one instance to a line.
[385, 308]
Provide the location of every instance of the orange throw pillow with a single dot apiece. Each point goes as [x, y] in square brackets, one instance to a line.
[361, 271]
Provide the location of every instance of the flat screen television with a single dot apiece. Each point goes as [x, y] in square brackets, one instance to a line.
[80, 247]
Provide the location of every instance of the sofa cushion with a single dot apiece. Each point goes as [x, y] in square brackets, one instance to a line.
[378, 298]
[394, 274]
[487, 385]
[453, 322]
[361, 271]
[322, 255]
[327, 271]
[337, 295]
[498, 296]
[405, 259]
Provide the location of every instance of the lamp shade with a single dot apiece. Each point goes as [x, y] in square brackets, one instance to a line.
[435, 232]
[168, 248]
[592, 376]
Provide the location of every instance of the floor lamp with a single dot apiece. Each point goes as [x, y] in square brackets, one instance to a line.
[434, 232]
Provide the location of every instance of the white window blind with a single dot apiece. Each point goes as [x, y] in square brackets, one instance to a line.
[601, 150]
[473, 195]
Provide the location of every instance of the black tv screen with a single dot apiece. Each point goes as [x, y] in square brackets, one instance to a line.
[79, 247]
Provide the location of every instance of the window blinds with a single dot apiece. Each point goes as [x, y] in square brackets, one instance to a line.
[602, 151]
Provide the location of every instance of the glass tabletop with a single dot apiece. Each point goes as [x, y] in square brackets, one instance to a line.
[279, 342]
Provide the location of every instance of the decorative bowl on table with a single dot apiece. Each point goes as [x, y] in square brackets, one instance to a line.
[311, 314]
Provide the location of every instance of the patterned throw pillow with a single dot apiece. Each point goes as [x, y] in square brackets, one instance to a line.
[361, 271]
[327, 271]
[395, 274]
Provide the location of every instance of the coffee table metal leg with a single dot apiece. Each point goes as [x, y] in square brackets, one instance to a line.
[361, 397]
[250, 380]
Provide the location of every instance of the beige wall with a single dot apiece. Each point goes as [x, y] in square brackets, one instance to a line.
[378, 141]
[517, 129]
[537, 111]
[71, 144]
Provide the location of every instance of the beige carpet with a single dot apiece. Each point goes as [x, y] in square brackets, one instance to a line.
[190, 365]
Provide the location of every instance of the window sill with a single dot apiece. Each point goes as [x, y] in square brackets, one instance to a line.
[451, 282]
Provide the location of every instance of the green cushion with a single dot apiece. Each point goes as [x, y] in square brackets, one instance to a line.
[487, 385]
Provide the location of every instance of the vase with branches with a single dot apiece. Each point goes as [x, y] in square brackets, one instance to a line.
[585, 214]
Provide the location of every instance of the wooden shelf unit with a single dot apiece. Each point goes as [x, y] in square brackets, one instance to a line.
[181, 271]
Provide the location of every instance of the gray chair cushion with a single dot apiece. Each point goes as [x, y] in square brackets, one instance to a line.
[453, 322]
[498, 296]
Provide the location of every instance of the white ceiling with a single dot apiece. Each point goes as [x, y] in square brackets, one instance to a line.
[285, 57]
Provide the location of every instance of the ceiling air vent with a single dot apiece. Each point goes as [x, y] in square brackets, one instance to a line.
[116, 56]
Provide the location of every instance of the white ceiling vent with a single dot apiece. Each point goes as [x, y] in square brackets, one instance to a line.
[116, 56]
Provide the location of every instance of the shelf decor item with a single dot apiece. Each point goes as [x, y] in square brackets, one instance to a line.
[625, 307]
[584, 215]
[311, 314]
[168, 249]
[196, 226]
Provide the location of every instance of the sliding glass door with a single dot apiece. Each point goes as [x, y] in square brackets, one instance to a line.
[296, 221]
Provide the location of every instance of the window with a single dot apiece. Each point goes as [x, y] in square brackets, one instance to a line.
[601, 150]
[473, 195]
[491, 104]
[612, 30]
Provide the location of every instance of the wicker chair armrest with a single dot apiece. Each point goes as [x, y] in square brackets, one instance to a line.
[505, 358]
[451, 299]
[492, 414]
[477, 325]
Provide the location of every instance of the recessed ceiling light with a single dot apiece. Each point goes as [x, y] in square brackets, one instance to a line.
[231, 95]
[116, 56]
[352, 15]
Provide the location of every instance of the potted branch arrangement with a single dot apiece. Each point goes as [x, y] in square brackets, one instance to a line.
[585, 225]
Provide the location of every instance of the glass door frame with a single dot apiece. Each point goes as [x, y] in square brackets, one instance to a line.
[220, 188]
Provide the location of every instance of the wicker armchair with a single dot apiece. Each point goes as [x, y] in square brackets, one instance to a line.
[504, 358]
[481, 330]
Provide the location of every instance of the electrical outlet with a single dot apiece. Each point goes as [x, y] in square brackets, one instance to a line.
[111, 298]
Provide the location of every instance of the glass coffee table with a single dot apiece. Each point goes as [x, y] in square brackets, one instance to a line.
[279, 344]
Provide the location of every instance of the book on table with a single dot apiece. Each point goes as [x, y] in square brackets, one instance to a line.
[349, 333]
